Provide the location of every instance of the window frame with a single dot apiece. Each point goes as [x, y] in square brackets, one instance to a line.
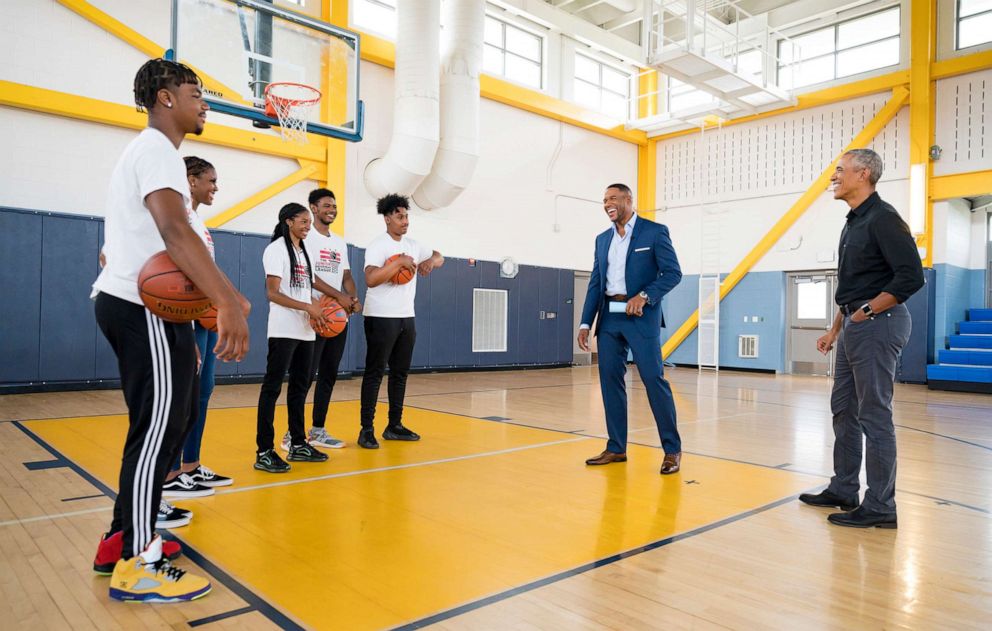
[600, 64]
[957, 27]
[835, 53]
[542, 53]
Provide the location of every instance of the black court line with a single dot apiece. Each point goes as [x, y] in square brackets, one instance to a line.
[83, 497]
[494, 418]
[955, 439]
[220, 616]
[256, 602]
[44, 464]
[783, 465]
[978, 509]
[516, 591]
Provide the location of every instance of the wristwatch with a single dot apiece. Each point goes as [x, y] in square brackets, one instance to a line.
[866, 309]
[644, 295]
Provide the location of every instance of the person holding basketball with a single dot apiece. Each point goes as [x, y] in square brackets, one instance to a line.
[390, 333]
[148, 210]
[329, 254]
[289, 282]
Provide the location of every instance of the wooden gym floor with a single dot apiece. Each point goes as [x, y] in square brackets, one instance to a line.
[493, 522]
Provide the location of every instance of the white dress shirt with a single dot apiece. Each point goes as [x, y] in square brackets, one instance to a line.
[616, 261]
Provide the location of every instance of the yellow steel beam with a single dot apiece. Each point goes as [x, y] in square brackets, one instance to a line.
[647, 94]
[921, 104]
[971, 184]
[961, 65]
[127, 34]
[899, 97]
[94, 110]
[647, 178]
[309, 171]
[334, 110]
[383, 52]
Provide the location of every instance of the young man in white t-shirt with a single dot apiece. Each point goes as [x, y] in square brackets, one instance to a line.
[148, 210]
[390, 333]
[329, 254]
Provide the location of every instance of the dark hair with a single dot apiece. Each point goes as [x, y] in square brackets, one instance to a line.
[281, 231]
[318, 194]
[158, 74]
[196, 166]
[623, 188]
[391, 203]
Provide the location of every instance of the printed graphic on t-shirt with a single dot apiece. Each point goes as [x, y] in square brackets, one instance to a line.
[328, 261]
[300, 277]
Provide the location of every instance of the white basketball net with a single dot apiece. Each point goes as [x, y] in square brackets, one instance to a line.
[292, 103]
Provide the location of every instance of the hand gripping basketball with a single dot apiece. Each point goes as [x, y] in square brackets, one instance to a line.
[404, 275]
[335, 315]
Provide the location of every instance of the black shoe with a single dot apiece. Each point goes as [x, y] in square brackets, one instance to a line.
[270, 461]
[305, 453]
[398, 432]
[861, 518]
[366, 439]
[828, 499]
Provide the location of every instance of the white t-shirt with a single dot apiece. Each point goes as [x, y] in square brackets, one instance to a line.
[149, 163]
[390, 300]
[283, 321]
[329, 256]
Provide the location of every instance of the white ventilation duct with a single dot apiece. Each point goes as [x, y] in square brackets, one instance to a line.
[415, 117]
[461, 63]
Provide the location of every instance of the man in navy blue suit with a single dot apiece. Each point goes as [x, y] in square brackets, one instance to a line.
[634, 267]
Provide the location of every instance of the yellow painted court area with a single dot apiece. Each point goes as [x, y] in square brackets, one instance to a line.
[374, 539]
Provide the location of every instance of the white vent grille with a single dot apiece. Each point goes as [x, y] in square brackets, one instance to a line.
[747, 346]
[489, 320]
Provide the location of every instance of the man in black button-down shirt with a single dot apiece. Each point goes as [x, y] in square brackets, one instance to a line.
[878, 269]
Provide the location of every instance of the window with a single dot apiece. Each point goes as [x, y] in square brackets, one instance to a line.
[601, 87]
[847, 48]
[974, 23]
[378, 16]
[512, 53]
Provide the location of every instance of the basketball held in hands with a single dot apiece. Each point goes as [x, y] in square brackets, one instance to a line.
[168, 292]
[401, 277]
[335, 317]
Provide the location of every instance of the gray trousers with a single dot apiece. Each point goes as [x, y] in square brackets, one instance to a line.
[861, 403]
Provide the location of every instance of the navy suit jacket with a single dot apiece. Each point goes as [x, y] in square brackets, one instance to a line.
[652, 267]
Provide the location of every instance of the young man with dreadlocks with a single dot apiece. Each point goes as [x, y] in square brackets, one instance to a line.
[148, 210]
[289, 282]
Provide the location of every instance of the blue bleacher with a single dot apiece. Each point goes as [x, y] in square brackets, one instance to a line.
[966, 365]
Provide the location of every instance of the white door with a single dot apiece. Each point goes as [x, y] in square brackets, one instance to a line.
[811, 309]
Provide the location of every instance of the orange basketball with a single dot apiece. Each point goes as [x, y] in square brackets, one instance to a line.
[403, 276]
[335, 315]
[209, 319]
[168, 292]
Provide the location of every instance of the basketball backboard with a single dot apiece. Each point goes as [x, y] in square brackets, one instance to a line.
[238, 47]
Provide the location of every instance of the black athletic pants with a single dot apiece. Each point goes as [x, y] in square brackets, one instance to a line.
[294, 356]
[327, 352]
[157, 363]
[388, 341]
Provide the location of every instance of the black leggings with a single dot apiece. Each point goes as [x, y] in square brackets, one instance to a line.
[294, 356]
[327, 352]
[389, 341]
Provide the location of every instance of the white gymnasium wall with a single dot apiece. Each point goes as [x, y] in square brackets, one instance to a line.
[749, 175]
[964, 115]
[536, 194]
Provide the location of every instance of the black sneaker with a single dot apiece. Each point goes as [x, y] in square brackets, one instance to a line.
[270, 461]
[305, 453]
[366, 439]
[398, 432]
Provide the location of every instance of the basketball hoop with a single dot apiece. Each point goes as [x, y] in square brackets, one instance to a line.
[291, 104]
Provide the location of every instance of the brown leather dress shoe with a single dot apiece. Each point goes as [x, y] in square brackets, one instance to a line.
[607, 457]
[671, 464]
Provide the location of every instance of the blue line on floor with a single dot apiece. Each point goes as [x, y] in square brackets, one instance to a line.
[83, 497]
[220, 616]
[44, 464]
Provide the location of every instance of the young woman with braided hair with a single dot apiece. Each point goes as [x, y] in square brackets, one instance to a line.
[289, 281]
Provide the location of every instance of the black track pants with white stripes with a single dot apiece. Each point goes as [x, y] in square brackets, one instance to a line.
[157, 362]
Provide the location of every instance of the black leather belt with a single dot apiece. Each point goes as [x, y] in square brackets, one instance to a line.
[851, 307]
[617, 298]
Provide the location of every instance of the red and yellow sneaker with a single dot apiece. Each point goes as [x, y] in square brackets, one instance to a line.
[109, 552]
[151, 578]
